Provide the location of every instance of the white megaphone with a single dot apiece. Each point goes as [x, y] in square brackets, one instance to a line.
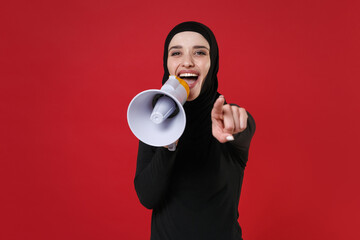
[157, 117]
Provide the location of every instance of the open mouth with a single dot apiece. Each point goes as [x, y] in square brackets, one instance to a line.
[190, 78]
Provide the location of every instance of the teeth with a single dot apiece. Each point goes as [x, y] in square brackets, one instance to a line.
[188, 75]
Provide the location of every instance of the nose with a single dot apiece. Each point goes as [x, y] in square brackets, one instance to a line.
[188, 61]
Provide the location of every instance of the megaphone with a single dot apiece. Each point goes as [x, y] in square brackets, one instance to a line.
[157, 117]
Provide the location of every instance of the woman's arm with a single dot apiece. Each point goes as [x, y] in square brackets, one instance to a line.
[239, 147]
[154, 166]
[233, 126]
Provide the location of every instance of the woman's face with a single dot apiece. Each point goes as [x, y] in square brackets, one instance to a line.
[189, 59]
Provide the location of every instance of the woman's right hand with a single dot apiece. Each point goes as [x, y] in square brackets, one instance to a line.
[227, 120]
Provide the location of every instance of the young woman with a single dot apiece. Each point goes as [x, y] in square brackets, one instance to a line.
[194, 191]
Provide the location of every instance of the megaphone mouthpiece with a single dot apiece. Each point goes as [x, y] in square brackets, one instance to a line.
[164, 107]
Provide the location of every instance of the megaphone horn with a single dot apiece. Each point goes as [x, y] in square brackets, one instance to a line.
[157, 117]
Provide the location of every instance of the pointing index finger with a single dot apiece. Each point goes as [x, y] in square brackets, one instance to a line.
[218, 106]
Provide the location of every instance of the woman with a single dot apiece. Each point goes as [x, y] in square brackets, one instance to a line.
[194, 191]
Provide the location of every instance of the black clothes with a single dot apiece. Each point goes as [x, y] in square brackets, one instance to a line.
[194, 191]
[194, 198]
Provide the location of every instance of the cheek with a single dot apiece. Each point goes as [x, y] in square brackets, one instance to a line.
[171, 66]
[205, 66]
[208, 66]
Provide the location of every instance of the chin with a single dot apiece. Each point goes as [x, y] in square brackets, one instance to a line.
[191, 98]
[194, 93]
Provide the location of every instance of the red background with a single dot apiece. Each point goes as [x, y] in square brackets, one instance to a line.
[69, 69]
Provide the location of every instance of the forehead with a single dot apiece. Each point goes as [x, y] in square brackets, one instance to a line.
[188, 39]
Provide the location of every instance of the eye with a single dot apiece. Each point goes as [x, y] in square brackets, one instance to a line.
[201, 53]
[175, 53]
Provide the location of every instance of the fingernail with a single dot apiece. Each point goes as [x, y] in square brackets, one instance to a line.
[230, 138]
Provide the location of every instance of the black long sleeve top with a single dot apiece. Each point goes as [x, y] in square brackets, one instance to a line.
[194, 197]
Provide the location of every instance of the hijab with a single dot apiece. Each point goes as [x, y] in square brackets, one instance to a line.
[198, 130]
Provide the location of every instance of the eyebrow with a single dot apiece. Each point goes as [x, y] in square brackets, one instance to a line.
[196, 47]
[199, 46]
[175, 47]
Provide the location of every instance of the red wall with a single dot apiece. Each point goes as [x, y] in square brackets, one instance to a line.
[69, 69]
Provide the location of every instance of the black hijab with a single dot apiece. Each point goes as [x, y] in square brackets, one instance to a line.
[197, 134]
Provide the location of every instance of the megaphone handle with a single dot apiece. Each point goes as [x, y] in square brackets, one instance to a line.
[172, 147]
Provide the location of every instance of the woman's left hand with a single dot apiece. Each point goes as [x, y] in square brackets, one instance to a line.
[227, 120]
